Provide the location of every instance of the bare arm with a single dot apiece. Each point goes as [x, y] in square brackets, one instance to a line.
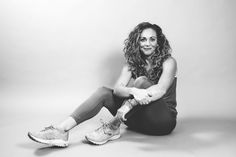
[165, 81]
[120, 88]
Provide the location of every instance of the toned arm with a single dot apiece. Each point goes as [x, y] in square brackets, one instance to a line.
[120, 88]
[165, 81]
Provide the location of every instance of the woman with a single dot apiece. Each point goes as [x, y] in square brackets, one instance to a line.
[150, 102]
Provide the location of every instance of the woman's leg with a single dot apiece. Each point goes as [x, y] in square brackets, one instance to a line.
[103, 97]
[154, 118]
[58, 135]
[67, 124]
[111, 130]
[140, 82]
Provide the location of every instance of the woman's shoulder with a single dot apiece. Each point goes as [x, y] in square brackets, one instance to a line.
[126, 69]
[170, 61]
[170, 64]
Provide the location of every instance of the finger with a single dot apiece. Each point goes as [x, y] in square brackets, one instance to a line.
[145, 102]
[142, 103]
[139, 102]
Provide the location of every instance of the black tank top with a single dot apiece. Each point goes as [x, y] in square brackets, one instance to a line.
[170, 97]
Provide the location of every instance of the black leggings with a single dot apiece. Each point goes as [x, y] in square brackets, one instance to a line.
[153, 119]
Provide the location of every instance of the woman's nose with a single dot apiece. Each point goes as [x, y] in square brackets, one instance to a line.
[147, 42]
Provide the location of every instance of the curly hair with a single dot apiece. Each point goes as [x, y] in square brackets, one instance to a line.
[136, 59]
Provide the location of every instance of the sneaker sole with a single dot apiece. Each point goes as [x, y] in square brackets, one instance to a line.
[103, 142]
[58, 143]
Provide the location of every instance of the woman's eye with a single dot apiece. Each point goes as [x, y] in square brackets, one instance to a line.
[142, 39]
[153, 39]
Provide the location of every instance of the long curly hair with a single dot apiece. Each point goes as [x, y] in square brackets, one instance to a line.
[135, 57]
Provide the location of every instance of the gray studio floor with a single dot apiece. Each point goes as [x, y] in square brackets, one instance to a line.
[201, 137]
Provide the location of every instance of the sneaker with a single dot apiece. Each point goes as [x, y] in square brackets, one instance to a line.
[103, 134]
[50, 136]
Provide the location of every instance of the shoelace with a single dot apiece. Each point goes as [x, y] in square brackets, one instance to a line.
[48, 128]
[105, 126]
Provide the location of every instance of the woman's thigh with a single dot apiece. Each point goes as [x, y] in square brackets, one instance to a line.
[153, 119]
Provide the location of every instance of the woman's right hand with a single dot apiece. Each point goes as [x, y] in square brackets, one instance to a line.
[141, 95]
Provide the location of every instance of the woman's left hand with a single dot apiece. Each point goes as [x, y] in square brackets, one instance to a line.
[145, 101]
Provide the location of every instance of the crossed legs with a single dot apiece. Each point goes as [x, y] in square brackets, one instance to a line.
[154, 118]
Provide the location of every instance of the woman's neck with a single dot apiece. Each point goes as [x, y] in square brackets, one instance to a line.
[148, 66]
[149, 58]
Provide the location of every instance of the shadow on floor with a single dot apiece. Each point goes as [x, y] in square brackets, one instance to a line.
[190, 134]
[43, 150]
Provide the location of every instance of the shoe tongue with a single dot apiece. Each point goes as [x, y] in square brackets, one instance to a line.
[48, 128]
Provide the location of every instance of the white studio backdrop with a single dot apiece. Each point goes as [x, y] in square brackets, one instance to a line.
[55, 53]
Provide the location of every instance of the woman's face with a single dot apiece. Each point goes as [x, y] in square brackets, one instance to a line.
[148, 41]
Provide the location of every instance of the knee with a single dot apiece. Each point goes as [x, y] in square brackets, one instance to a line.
[104, 91]
[162, 128]
[142, 82]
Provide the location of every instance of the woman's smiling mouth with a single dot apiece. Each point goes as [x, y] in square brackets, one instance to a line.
[147, 48]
